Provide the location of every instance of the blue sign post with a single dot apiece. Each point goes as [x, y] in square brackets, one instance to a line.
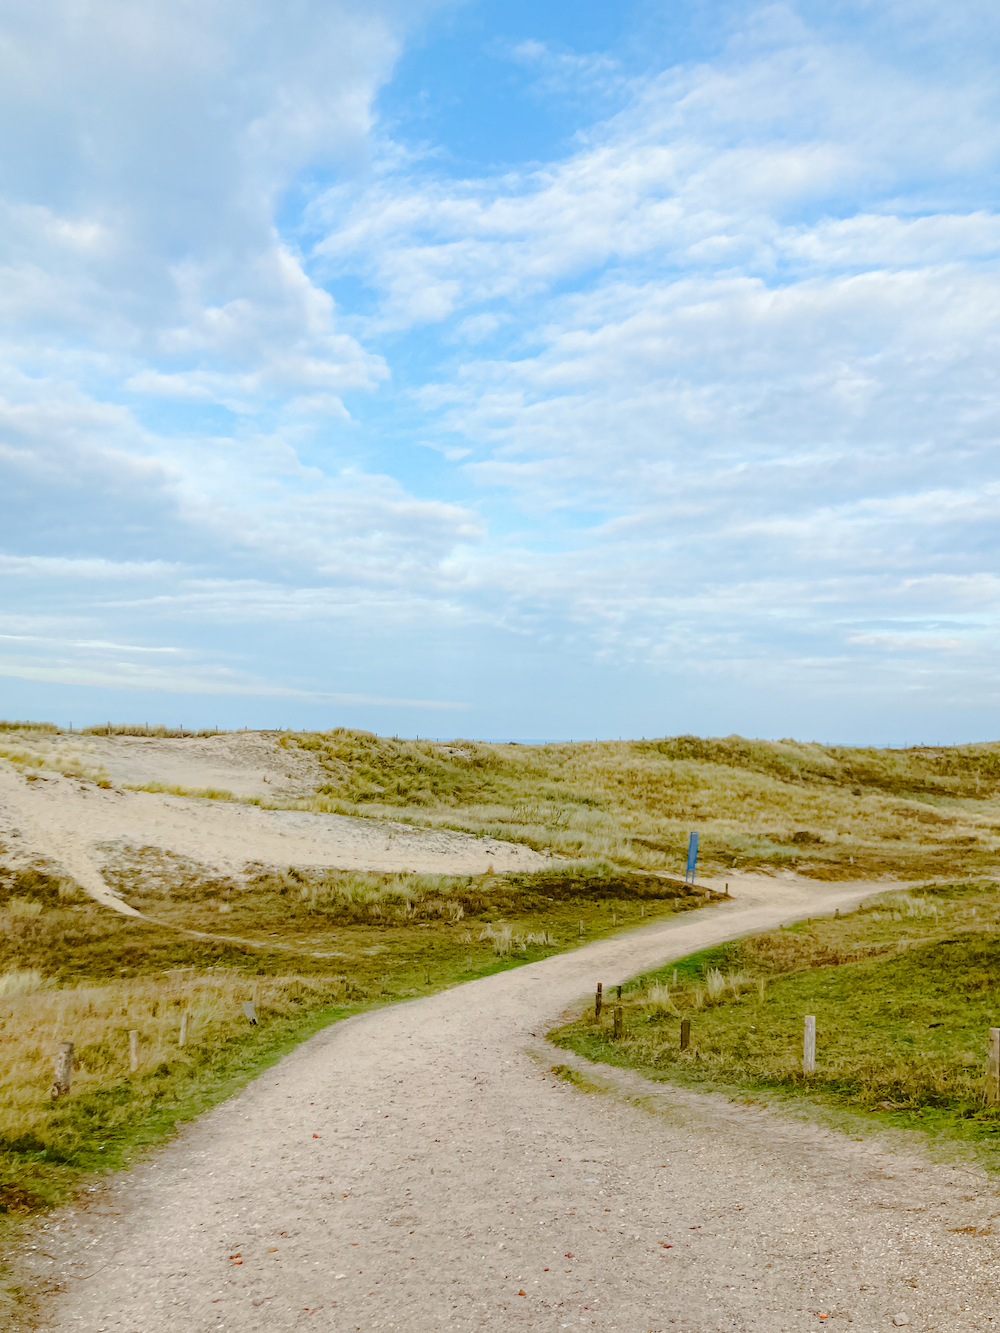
[692, 858]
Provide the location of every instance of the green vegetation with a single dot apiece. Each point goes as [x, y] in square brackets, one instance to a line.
[904, 992]
[307, 947]
[827, 812]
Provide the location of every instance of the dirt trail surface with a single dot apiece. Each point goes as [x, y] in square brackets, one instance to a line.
[78, 828]
[419, 1168]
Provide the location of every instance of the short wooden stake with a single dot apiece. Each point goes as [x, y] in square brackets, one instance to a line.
[182, 1039]
[63, 1071]
[619, 1021]
[619, 992]
[598, 1000]
[251, 1012]
[809, 1045]
[993, 1069]
[133, 1051]
[581, 927]
[685, 1033]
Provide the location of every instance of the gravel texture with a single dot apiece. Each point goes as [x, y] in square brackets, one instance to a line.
[420, 1168]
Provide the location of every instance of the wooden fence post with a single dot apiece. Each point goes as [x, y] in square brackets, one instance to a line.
[598, 999]
[619, 1022]
[685, 1033]
[182, 1039]
[809, 1045]
[63, 1071]
[133, 1051]
[993, 1069]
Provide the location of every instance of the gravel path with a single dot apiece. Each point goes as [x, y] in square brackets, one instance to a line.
[420, 1168]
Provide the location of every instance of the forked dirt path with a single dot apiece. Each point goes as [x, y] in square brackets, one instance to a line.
[420, 1168]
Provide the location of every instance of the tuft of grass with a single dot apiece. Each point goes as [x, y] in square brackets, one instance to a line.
[904, 992]
[70, 761]
[201, 793]
[23, 981]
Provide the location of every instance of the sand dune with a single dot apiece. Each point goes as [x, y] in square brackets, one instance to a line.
[77, 828]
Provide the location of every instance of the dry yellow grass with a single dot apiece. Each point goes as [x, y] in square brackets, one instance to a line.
[72, 763]
[35, 1016]
[827, 811]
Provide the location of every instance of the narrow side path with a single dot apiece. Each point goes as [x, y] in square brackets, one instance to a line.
[418, 1168]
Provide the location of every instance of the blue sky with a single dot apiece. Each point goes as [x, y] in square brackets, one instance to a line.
[501, 370]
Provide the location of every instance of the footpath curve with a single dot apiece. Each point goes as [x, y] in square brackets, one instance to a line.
[419, 1168]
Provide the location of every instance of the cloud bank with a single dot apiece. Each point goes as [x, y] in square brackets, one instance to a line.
[691, 424]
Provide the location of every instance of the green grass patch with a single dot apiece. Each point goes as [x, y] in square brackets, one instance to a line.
[904, 992]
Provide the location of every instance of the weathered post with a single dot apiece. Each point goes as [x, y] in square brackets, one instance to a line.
[685, 1033]
[182, 1039]
[133, 1051]
[598, 999]
[63, 1071]
[993, 1069]
[809, 1045]
[619, 1022]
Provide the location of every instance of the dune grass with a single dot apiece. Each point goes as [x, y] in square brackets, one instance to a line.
[827, 812]
[904, 992]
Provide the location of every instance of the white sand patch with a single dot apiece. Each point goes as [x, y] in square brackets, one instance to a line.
[66, 823]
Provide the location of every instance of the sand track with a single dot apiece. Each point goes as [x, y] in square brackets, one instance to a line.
[418, 1168]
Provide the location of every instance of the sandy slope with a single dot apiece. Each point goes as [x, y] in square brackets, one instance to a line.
[78, 827]
[417, 1168]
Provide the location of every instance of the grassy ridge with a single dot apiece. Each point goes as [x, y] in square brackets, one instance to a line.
[904, 992]
[828, 812]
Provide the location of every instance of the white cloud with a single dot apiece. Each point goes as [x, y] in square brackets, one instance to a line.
[720, 379]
